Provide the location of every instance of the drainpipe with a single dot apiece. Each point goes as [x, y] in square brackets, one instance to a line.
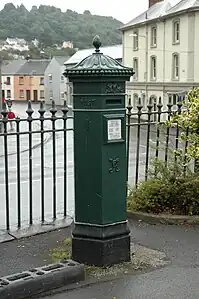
[146, 61]
[163, 62]
[1, 104]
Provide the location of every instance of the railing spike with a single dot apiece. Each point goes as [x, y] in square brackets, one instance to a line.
[29, 110]
[53, 109]
[41, 110]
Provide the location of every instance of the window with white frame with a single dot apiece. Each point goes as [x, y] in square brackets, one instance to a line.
[62, 96]
[50, 78]
[62, 78]
[175, 66]
[135, 101]
[153, 36]
[41, 94]
[21, 93]
[21, 80]
[135, 40]
[143, 101]
[8, 81]
[135, 68]
[41, 80]
[153, 68]
[8, 94]
[51, 95]
[176, 31]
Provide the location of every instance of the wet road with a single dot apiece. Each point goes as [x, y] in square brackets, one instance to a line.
[25, 200]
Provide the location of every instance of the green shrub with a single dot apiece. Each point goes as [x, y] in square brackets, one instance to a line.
[168, 190]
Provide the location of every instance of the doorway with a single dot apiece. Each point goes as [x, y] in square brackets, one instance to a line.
[28, 95]
[35, 95]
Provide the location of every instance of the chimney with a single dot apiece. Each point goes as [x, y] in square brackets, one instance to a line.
[152, 2]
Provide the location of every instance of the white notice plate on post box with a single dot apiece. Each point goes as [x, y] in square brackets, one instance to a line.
[114, 129]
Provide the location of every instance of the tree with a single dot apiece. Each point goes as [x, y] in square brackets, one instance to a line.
[50, 25]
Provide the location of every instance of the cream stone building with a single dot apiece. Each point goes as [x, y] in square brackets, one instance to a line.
[162, 45]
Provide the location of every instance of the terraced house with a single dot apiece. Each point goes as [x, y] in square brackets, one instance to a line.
[162, 44]
[23, 80]
[29, 81]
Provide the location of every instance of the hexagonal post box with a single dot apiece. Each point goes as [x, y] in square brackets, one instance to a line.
[101, 236]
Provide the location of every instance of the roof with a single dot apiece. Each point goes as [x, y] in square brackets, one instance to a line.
[33, 67]
[113, 51]
[183, 5]
[61, 59]
[98, 64]
[162, 9]
[157, 10]
[12, 67]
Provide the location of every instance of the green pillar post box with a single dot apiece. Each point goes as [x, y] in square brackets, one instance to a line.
[101, 236]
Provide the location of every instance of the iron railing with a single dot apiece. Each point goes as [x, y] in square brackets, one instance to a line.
[148, 137]
[35, 174]
[26, 198]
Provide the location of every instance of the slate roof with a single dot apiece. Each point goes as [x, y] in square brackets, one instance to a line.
[161, 9]
[12, 67]
[112, 51]
[183, 5]
[61, 59]
[157, 10]
[33, 67]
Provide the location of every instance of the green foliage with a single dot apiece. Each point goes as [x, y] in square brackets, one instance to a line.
[51, 26]
[168, 190]
[188, 122]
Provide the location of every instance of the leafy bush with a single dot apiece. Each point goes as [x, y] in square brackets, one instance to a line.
[168, 190]
[188, 122]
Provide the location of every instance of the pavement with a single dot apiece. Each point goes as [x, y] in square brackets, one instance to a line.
[178, 280]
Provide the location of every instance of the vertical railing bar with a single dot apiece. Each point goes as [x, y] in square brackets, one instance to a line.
[5, 122]
[18, 173]
[185, 151]
[179, 104]
[129, 108]
[53, 111]
[30, 111]
[169, 105]
[139, 107]
[42, 112]
[65, 111]
[150, 106]
[159, 106]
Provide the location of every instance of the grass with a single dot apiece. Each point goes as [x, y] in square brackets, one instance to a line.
[139, 261]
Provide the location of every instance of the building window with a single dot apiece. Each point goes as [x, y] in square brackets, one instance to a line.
[62, 96]
[41, 94]
[50, 78]
[62, 79]
[8, 80]
[135, 40]
[51, 95]
[135, 68]
[41, 80]
[143, 98]
[135, 101]
[176, 32]
[153, 36]
[21, 80]
[175, 71]
[21, 93]
[153, 68]
[8, 94]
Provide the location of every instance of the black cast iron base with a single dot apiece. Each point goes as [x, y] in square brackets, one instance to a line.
[101, 251]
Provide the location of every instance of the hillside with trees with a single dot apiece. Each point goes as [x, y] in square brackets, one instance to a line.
[51, 26]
